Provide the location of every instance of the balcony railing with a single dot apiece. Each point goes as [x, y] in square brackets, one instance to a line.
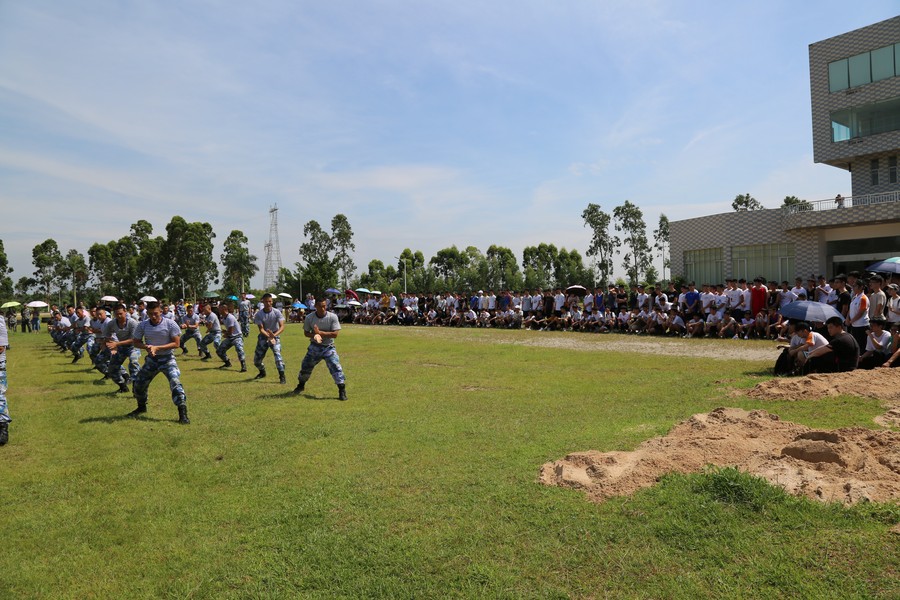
[843, 204]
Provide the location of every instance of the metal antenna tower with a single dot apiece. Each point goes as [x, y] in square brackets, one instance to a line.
[273, 251]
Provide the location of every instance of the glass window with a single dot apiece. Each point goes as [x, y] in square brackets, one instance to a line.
[874, 167]
[838, 76]
[704, 266]
[772, 261]
[892, 169]
[897, 59]
[869, 119]
[860, 69]
[882, 63]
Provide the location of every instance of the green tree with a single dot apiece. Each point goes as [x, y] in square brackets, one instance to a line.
[569, 269]
[603, 245]
[503, 269]
[6, 285]
[188, 256]
[629, 220]
[124, 275]
[46, 259]
[101, 264]
[73, 269]
[239, 265]
[538, 264]
[24, 287]
[801, 205]
[150, 264]
[316, 268]
[342, 241]
[661, 241]
[448, 265]
[745, 202]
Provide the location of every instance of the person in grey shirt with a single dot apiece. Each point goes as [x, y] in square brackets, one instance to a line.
[271, 323]
[118, 334]
[190, 323]
[213, 332]
[322, 327]
[159, 337]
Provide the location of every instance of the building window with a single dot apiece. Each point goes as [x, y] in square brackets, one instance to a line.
[874, 168]
[704, 266]
[869, 119]
[775, 262]
[864, 68]
[892, 169]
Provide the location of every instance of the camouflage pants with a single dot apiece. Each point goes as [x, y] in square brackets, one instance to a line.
[214, 338]
[237, 342]
[116, 371]
[4, 411]
[244, 319]
[190, 334]
[153, 365]
[80, 341]
[262, 346]
[314, 354]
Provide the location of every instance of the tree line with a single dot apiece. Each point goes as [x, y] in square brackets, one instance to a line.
[180, 264]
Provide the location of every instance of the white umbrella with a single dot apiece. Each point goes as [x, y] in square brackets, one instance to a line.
[286, 295]
[376, 292]
[109, 299]
[37, 304]
[250, 296]
[353, 303]
[149, 299]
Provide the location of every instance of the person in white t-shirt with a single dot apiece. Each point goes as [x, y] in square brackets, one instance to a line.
[878, 345]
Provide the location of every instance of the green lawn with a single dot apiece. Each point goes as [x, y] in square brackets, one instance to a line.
[423, 485]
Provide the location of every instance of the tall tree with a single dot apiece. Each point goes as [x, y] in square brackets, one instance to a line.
[124, 275]
[73, 269]
[188, 254]
[448, 264]
[661, 243]
[629, 220]
[6, 284]
[538, 263]
[101, 265]
[569, 269]
[316, 268]
[802, 205]
[342, 240]
[150, 265]
[745, 202]
[46, 259]
[503, 269]
[603, 245]
[24, 287]
[239, 265]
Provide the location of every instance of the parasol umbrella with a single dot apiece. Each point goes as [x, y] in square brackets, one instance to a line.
[351, 294]
[353, 303]
[578, 290]
[109, 299]
[232, 297]
[808, 310]
[11, 304]
[37, 304]
[363, 290]
[332, 291]
[149, 299]
[250, 296]
[286, 295]
[888, 265]
[375, 292]
[296, 305]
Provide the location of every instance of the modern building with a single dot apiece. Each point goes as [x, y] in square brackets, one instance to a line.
[855, 93]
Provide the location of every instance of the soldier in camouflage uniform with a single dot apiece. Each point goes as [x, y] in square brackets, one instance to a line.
[271, 323]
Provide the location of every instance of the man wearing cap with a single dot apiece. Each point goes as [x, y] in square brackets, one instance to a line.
[322, 327]
[159, 337]
[271, 323]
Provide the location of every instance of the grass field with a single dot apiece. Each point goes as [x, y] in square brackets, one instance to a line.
[423, 485]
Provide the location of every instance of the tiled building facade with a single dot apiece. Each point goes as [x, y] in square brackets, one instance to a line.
[855, 92]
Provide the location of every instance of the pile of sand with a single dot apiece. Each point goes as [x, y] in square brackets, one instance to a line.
[845, 465]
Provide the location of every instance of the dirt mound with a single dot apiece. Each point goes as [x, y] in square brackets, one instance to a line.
[845, 465]
[883, 384]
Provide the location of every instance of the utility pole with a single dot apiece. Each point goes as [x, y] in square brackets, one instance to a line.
[405, 261]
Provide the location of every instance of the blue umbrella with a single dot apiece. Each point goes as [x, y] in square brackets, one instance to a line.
[232, 297]
[363, 291]
[889, 265]
[296, 305]
[807, 310]
[332, 291]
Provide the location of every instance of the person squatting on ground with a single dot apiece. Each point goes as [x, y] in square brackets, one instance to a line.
[4, 411]
[271, 323]
[190, 324]
[213, 332]
[232, 337]
[119, 335]
[159, 337]
[322, 327]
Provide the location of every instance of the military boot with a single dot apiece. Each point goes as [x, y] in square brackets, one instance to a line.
[281, 378]
[342, 391]
[4, 433]
[141, 409]
[182, 414]
[243, 367]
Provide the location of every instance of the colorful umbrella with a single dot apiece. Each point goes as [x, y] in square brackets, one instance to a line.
[363, 290]
[889, 265]
[808, 310]
[11, 304]
[351, 294]
[332, 291]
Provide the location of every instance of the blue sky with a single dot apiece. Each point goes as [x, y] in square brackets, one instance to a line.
[427, 123]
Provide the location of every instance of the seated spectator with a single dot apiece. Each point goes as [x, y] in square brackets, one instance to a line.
[878, 345]
[840, 354]
[894, 356]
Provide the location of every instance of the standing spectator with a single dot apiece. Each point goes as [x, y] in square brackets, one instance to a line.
[858, 318]
[893, 303]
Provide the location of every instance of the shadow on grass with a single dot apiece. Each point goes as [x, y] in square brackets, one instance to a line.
[125, 417]
[760, 373]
